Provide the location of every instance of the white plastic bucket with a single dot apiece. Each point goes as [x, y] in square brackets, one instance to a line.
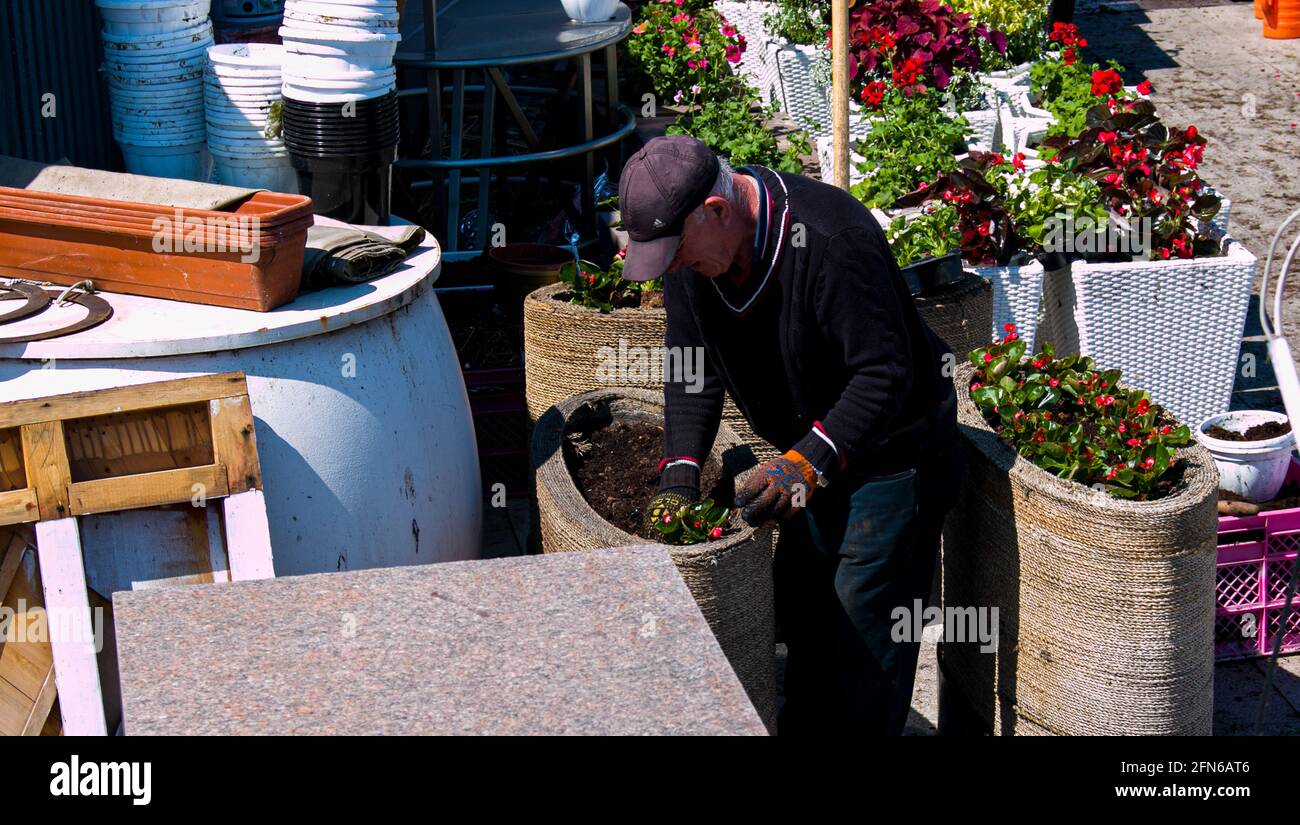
[309, 95]
[189, 162]
[313, 57]
[275, 174]
[1254, 470]
[325, 33]
[155, 123]
[320, 14]
[153, 45]
[151, 16]
[242, 56]
[235, 120]
[250, 146]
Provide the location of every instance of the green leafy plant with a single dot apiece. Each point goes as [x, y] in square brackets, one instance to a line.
[603, 289]
[1047, 201]
[694, 523]
[1076, 421]
[735, 128]
[909, 143]
[1068, 87]
[799, 21]
[931, 234]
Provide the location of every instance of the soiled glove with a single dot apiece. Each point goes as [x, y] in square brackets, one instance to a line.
[776, 489]
[665, 504]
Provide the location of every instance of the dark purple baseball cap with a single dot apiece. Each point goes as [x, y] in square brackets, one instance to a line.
[660, 186]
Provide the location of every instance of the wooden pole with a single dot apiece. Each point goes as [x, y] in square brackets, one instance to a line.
[840, 90]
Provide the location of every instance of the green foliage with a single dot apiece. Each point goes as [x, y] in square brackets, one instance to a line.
[1047, 197]
[603, 289]
[694, 523]
[1022, 21]
[1067, 92]
[911, 142]
[1075, 421]
[737, 132]
[799, 21]
[931, 234]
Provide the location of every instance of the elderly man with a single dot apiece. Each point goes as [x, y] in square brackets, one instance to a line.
[789, 287]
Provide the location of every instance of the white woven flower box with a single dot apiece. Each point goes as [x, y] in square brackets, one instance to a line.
[1017, 295]
[756, 65]
[985, 134]
[805, 100]
[1174, 327]
[859, 126]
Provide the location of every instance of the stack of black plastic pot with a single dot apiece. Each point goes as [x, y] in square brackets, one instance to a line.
[340, 119]
[344, 154]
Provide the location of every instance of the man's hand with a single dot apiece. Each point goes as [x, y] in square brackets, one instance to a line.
[776, 489]
[664, 505]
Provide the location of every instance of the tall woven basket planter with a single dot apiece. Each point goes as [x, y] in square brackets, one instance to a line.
[1017, 296]
[731, 579]
[959, 314]
[563, 344]
[1174, 327]
[756, 65]
[806, 101]
[1105, 607]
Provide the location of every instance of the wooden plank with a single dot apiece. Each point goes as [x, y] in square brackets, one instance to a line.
[143, 441]
[45, 455]
[148, 489]
[234, 442]
[12, 476]
[41, 707]
[122, 399]
[15, 707]
[10, 558]
[76, 669]
[248, 536]
[19, 506]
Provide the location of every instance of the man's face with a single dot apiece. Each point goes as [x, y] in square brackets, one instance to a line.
[710, 239]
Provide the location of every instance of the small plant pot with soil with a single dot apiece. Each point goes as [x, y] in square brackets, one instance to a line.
[1252, 449]
[595, 456]
[933, 273]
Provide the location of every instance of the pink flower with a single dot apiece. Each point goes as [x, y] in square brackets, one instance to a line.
[715, 533]
[669, 50]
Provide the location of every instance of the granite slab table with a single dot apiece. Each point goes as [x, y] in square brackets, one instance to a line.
[603, 642]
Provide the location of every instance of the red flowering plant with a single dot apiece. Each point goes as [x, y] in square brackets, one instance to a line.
[684, 51]
[1076, 421]
[914, 43]
[693, 523]
[604, 289]
[977, 188]
[1147, 172]
[1068, 87]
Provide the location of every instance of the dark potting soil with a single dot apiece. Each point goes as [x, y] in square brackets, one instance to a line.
[1259, 432]
[616, 468]
[1286, 498]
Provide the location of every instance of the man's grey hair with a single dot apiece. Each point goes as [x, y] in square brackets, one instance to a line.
[724, 186]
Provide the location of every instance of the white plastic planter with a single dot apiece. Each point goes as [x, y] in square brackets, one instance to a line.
[1174, 327]
[310, 56]
[805, 100]
[276, 174]
[1017, 297]
[1254, 470]
[189, 162]
[590, 11]
[140, 17]
[985, 133]
[156, 42]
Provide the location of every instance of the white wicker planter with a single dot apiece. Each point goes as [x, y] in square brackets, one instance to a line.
[1017, 295]
[806, 101]
[859, 126]
[985, 134]
[1174, 327]
[757, 66]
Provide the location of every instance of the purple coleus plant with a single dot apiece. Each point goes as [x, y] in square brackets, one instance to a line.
[885, 33]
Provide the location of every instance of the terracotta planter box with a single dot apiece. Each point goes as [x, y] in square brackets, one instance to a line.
[250, 258]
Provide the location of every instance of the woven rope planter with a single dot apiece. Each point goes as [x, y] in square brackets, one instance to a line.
[562, 343]
[1106, 607]
[731, 579]
[960, 314]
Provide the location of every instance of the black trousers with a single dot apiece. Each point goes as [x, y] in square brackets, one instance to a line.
[844, 568]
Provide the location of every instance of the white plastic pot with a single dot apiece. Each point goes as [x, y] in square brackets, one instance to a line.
[156, 41]
[336, 14]
[151, 16]
[275, 174]
[590, 11]
[309, 95]
[312, 57]
[242, 56]
[1254, 470]
[313, 33]
[189, 162]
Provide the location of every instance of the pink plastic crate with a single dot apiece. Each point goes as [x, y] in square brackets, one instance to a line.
[1257, 556]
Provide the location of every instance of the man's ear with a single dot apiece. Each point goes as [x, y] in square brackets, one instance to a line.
[719, 206]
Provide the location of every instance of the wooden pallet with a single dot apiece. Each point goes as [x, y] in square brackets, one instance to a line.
[182, 442]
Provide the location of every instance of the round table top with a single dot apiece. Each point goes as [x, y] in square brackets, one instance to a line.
[474, 34]
[144, 327]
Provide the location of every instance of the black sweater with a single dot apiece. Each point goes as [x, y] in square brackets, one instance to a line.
[831, 339]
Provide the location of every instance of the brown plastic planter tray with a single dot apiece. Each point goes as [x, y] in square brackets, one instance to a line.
[270, 208]
[125, 261]
[139, 219]
[91, 221]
